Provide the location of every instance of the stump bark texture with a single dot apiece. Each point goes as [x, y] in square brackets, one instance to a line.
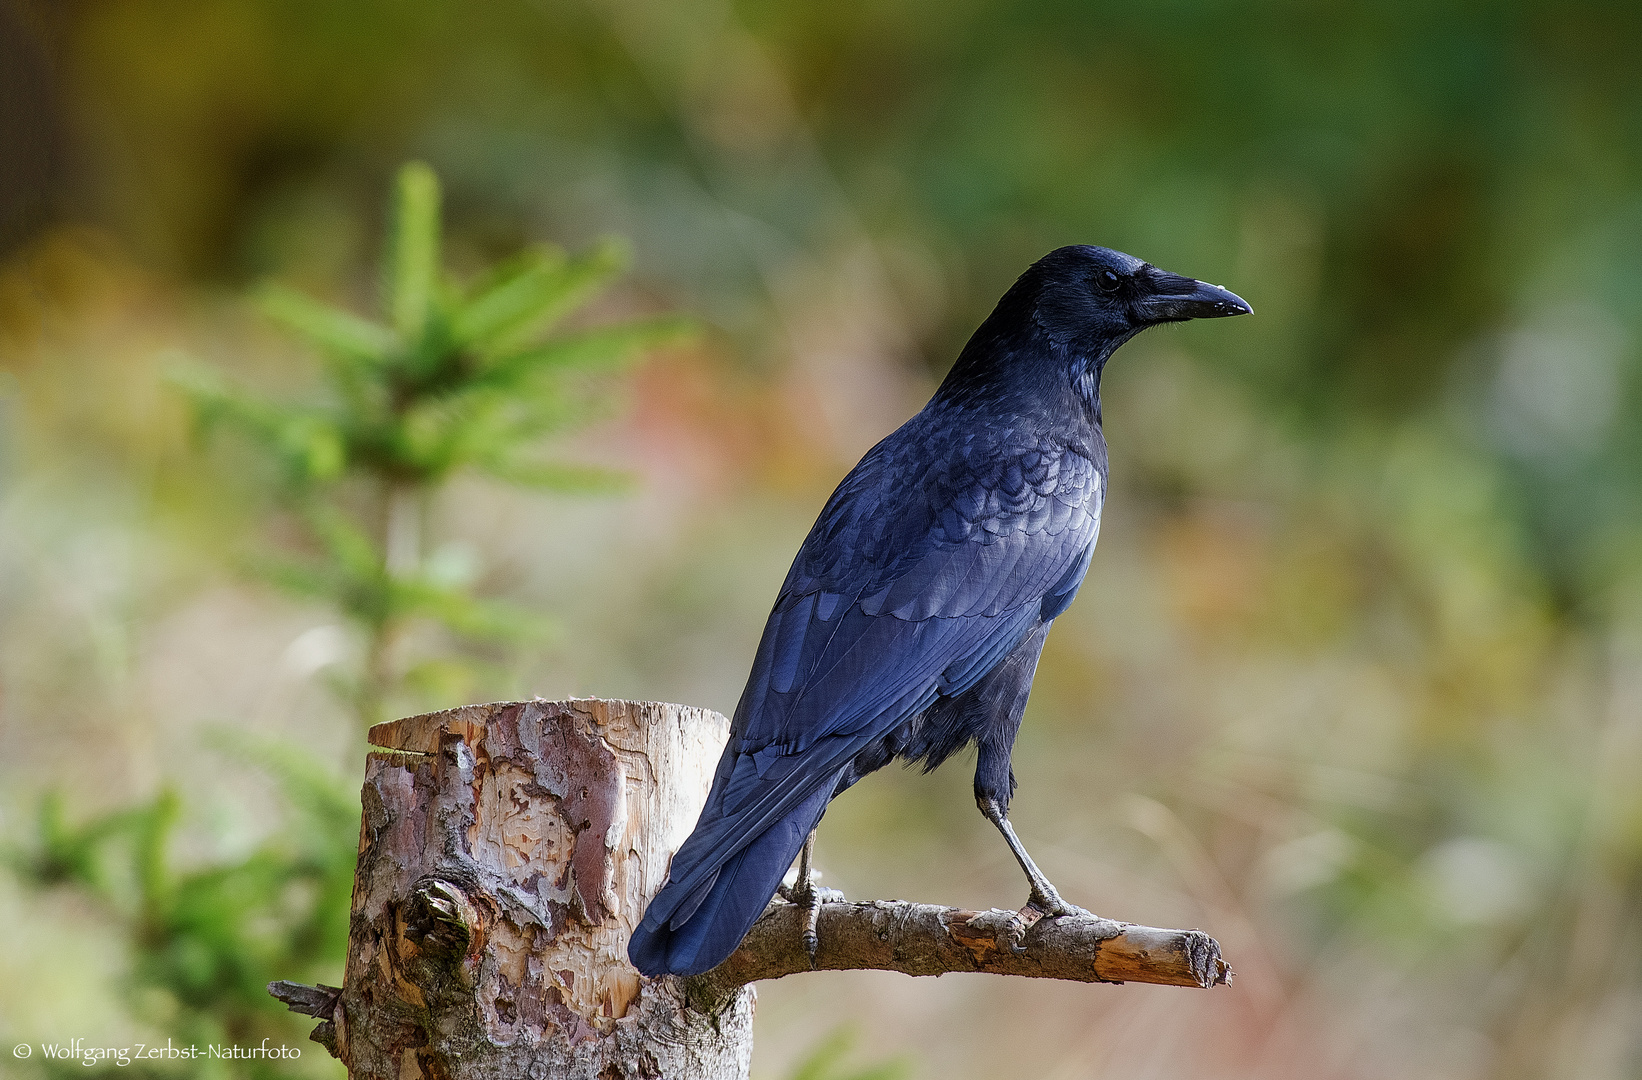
[507, 851]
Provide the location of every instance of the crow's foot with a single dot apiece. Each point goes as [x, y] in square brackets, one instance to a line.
[1014, 931]
[804, 892]
[1040, 905]
[1048, 902]
[811, 903]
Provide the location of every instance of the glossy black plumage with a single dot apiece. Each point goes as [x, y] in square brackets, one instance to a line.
[911, 621]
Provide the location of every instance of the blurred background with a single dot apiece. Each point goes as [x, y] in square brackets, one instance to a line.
[1355, 683]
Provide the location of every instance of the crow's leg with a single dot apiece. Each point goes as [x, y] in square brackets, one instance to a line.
[990, 713]
[1045, 898]
[805, 893]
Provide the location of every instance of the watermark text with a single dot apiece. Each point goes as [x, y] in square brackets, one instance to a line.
[91, 1054]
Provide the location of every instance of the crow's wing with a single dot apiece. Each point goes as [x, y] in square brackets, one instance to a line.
[932, 560]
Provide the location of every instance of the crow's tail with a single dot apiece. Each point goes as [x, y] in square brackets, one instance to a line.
[700, 935]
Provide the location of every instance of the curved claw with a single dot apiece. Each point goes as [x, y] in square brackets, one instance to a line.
[1013, 935]
[811, 904]
[1046, 905]
[1016, 935]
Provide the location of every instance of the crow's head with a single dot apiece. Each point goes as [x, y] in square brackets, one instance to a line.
[1062, 320]
[1093, 297]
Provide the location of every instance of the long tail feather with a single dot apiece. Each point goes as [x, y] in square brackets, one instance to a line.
[738, 894]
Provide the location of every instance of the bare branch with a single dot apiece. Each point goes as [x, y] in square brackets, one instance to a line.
[927, 939]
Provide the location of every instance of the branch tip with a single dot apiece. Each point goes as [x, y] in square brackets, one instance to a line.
[308, 1000]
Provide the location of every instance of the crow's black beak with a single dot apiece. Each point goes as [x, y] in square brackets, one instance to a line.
[1184, 298]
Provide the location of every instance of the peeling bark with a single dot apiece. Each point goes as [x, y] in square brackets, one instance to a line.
[506, 853]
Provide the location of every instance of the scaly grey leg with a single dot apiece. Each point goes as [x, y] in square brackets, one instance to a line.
[1044, 898]
[806, 894]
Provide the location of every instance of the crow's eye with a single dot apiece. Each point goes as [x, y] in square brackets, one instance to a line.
[1107, 281]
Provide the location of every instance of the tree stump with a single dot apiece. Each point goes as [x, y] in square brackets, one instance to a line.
[506, 853]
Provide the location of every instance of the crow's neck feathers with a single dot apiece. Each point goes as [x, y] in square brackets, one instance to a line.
[1013, 363]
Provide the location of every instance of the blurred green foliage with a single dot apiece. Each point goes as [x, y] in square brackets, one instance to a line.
[828, 1061]
[453, 379]
[456, 379]
[205, 940]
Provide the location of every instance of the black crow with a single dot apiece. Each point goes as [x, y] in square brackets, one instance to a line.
[911, 621]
